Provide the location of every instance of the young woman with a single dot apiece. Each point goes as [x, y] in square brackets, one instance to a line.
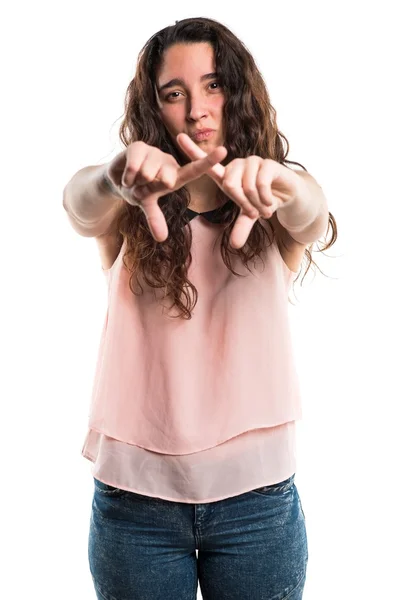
[201, 228]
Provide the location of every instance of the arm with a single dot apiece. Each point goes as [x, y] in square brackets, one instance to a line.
[306, 218]
[91, 201]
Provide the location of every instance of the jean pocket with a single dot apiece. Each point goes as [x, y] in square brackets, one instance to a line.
[275, 488]
[105, 489]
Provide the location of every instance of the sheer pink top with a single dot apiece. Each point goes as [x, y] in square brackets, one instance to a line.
[203, 409]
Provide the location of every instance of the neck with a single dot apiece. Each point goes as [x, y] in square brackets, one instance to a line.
[203, 194]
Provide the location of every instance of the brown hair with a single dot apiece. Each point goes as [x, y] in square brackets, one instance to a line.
[250, 129]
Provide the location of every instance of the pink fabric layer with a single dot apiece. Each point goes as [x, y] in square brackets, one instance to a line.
[251, 460]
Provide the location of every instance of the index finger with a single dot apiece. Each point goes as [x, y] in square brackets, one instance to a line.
[198, 167]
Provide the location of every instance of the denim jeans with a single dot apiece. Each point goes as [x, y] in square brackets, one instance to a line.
[252, 546]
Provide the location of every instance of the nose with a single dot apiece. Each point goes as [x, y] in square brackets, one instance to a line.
[197, 108]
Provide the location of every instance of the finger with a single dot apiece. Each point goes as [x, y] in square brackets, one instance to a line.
[163, 183]
[187, 173]
[249, 183]
[148, 171]
[241, 230]
[154, 188]
[217, 173]
[264, 181]
[203, 165]
[232, 186]
[134, 160]
[167, 175]
[155, 218]
[195, 153]
[189, 146]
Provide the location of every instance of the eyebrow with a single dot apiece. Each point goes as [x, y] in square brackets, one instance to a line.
[177, 81]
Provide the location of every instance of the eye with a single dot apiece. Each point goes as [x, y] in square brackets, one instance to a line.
[169, 96]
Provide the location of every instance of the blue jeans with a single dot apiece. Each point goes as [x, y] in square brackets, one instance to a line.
[250, 547]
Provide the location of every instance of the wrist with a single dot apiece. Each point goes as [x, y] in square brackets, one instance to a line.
[106, 185]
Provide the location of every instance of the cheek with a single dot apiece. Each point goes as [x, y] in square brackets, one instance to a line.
[218, 104]
[172, 115]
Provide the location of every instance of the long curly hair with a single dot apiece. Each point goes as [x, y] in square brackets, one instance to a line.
[250, 129]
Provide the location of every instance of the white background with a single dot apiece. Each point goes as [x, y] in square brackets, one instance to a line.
[332, 72]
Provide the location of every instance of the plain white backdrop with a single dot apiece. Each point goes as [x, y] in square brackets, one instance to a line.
[331, 69]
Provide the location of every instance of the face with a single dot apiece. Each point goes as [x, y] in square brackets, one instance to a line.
[190, 96]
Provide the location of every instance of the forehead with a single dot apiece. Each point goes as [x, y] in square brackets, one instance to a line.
[190, 59]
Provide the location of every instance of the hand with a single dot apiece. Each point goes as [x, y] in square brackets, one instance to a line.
[259, 186]
[143, 173]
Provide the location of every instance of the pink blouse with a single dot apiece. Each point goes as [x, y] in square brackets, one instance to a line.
[204, 409]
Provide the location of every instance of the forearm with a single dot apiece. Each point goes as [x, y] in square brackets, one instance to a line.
[88, 197]
[306, 217]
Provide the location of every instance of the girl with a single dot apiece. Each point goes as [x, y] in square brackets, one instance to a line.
[201, 228]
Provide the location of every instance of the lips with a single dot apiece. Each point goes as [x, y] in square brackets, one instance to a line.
[201, 134]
